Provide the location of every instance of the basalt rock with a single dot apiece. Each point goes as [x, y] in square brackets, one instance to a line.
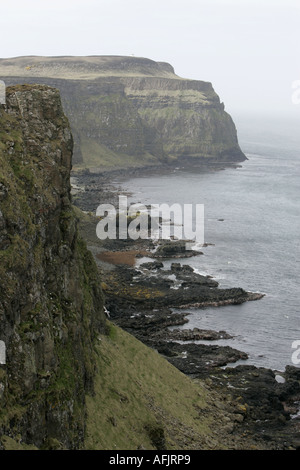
[51, 305]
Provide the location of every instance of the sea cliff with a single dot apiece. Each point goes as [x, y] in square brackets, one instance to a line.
[51, 304]
[129, 112]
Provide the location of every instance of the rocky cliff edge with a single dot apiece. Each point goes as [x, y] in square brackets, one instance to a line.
[51, 307]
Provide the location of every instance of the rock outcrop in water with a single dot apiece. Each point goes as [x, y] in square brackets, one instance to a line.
[51, 307]
[133, 112]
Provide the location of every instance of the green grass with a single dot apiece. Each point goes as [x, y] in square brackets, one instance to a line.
[96, 155]
[74, 68]
[178, 96]
[13, 444]
[139, 395]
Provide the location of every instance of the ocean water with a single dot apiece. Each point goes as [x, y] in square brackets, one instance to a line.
[252, 220]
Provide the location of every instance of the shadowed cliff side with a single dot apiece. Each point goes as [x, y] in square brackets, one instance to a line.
[131, 112]
[51, 307]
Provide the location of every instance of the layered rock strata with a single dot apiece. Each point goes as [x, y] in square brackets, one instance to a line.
[133, 112]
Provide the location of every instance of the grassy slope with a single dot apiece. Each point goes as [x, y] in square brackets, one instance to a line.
[139, 397]
[93, 152]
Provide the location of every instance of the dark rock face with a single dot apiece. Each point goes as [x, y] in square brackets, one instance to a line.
[51, 306]
[143, 301]
[266, 408]
[261, 409]
[133, 112]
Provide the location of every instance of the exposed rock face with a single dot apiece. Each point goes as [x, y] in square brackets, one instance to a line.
[188, 116]
[51, 307]
[131, 112]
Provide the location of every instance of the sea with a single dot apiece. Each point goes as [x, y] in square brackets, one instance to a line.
[252, 231]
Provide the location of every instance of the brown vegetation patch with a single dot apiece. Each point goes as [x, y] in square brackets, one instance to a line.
[121, 257]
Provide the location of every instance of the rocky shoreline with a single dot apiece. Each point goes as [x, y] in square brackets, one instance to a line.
[149, 301]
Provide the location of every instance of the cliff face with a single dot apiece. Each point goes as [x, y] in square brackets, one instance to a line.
[51, 305]
[187, 115]
[127, 111]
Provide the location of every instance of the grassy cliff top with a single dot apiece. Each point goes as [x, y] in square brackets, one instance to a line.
[84, 68]
[142, 402]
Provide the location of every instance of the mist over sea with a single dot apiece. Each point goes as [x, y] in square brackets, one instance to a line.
[252, 221]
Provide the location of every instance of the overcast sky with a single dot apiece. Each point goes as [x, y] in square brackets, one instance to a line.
[248, 49]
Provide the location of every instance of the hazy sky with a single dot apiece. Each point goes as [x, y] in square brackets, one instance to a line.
[248, 49]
